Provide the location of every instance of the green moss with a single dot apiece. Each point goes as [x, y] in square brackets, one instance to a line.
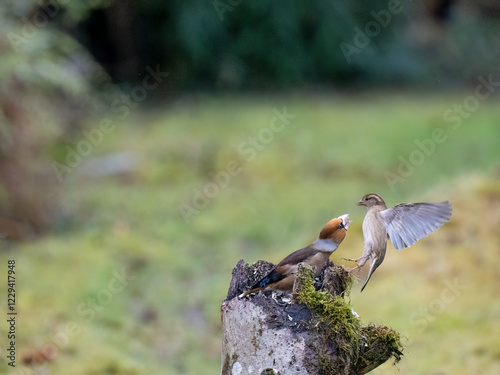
[268, 371]
[360, 348]
[228, 363]
[349, 281]
[385, 339]
[333, 314]
[337, 280]
[325, 366]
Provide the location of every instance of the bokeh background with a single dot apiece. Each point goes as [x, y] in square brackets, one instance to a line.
[147, 146]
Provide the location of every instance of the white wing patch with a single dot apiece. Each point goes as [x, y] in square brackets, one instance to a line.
[407, 223]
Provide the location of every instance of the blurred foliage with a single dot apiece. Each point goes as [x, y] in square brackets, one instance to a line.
[245, 45]
[46, 95]
[264, 44]
[279, 44]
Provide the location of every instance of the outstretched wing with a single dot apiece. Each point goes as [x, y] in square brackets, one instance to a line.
[407, 223]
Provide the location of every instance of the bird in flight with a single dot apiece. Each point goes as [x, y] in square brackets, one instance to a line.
[404, 224]
[283, 276]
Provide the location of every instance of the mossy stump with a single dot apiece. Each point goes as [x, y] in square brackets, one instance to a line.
[313, 331]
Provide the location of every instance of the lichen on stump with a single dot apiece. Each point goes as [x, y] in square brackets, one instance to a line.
[314, 331]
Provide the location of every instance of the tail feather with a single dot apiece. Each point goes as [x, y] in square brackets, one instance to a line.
[266, 280]
[374, 263]
[271, 278]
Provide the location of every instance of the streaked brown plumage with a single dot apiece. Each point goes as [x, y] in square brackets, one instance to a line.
[404, 223]
[283, 276]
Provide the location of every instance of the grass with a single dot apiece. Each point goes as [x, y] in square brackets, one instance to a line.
[166, 320]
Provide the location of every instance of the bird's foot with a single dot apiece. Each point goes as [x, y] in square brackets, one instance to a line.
[281, 298]
[276, 295]
[287, 300]
[353, 260]
[353, 269]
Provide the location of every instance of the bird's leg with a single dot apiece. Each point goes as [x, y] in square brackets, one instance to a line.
[357, 260]
[274, 295]
[287, 300]
[353, 260]
[353, 269]
[360, 263]
[349, 271]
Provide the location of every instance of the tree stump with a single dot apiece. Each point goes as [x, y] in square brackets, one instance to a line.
[313, 331]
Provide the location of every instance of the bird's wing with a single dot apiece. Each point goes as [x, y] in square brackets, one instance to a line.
[298, 256]
[407, 223]
[286, 266]
[270, 278]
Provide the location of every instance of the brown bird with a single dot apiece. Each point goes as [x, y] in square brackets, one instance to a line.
[283, 276]
[404, 223]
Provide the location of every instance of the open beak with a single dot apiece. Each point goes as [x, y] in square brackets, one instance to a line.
[345, 220]
[361, 203]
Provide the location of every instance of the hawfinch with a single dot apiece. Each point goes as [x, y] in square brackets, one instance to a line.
[283, 276]
[404, 223]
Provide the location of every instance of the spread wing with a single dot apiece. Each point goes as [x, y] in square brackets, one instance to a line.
[407, 223]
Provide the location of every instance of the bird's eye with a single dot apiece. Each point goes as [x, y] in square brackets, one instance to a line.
[341, 225]
[366, 198]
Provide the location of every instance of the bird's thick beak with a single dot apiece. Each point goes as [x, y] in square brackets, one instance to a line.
[361, 203]
[345, 220]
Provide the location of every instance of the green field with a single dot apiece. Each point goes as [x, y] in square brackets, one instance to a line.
[132, 278]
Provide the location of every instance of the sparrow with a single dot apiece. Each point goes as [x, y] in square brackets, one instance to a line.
[283, 276]
[404, 223]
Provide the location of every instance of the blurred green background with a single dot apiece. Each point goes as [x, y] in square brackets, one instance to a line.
[146, 147]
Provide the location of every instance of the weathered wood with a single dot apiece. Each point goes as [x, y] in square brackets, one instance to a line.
[313, 331]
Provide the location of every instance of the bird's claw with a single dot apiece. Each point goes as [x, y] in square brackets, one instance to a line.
[353, 269]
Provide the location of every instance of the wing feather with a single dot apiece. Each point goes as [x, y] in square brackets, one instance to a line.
[286, 266]
[298, 256]
[397, 240]
[407, 223]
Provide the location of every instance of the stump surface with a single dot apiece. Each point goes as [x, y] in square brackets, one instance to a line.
[310, 332]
